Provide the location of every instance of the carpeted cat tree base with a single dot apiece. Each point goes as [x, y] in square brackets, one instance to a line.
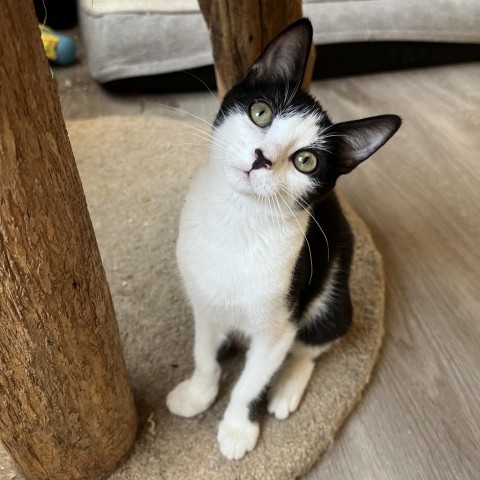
[135, 173]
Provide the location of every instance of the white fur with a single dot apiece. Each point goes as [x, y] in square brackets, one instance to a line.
[239, 239]
[239, 137]
[293, 379]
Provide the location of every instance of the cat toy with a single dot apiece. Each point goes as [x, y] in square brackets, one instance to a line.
[60, 49]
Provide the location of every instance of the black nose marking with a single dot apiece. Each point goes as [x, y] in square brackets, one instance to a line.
[261, 161]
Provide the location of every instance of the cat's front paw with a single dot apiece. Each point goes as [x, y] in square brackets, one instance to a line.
[237, 438]
[190, 397]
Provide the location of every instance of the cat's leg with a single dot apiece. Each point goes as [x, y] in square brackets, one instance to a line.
[239, 429]
[196, 394]
[326, 323]
[289, 387]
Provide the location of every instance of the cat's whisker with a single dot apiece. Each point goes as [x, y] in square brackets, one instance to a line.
[285, 102]
[272, 212]
[268, 211]
[264, 200]
[210, 147]
[305, 237]
[279, 219]
[269, 206]
[326, 129]
[216, 139]
[324, 133]
[305, 207]
[332, 135]
[206, 133]
[295, 90]
[322, 143]
[265, 211]
[323, 147]
[210, 142]
[262, 209]
[281, 214]
[183, 111]
[205, 85]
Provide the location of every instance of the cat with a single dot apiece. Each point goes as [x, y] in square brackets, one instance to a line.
[264, 249]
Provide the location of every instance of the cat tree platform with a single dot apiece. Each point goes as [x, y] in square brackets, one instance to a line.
[135, 174]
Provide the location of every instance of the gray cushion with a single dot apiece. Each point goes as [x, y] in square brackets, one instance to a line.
[129, 38]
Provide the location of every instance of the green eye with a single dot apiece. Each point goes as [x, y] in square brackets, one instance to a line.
[305, 162]
[261, 114]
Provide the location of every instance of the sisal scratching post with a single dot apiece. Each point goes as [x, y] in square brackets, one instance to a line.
[66, 406]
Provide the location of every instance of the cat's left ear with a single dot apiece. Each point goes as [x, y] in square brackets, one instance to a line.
[359, 139]
[285, 57]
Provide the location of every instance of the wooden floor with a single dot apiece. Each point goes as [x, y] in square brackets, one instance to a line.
[420, 419]
[420, 195]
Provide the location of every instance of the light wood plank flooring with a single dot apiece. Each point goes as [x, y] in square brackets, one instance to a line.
[420, 195]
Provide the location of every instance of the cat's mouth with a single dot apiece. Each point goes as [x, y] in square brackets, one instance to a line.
[243, 175]
[240, 173]
[239, 179]
[250, 182]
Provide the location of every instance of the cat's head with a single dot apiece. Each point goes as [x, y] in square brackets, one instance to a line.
[271, 136]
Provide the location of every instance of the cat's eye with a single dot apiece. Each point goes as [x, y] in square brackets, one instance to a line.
[305, 161]
[261, 114]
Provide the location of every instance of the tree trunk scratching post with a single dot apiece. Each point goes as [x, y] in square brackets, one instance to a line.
[66, 407]
[239, 31]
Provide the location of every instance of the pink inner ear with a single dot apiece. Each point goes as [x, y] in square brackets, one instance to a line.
[285, 57]
[359, 139]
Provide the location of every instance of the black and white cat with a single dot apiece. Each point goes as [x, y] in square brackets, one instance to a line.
[264, 248]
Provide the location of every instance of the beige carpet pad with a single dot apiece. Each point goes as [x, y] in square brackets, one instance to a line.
[135, 172]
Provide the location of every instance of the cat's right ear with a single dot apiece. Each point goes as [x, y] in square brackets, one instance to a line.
[285, 58]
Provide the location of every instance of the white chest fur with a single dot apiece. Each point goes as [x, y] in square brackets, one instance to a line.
[235, 251]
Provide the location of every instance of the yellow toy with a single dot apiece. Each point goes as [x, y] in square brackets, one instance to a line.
[59, 48]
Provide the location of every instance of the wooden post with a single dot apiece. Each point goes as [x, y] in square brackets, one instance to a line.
[240, 30]
[66, 407]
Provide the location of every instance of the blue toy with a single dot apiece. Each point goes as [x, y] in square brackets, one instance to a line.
[60, 49]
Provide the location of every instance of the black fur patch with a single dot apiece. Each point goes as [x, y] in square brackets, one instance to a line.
[257, 405]
[228, 349]
[284, 100]
[306, 285]
[329, 325]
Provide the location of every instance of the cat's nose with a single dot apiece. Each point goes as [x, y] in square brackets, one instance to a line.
[261, 161]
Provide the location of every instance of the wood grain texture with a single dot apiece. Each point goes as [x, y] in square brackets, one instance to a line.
[66, 405]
